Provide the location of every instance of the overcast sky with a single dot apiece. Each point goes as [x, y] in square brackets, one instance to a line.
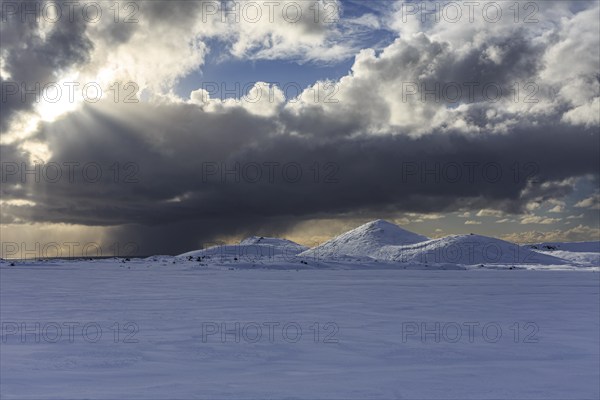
[175, 124]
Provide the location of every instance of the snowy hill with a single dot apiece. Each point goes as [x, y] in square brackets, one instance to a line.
[250, 249]
[376, 239]
[582, 247]
[587, 253]
[381, 242]
[472, 250]
[274, 242]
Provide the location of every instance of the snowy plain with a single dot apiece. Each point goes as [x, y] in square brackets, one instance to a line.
[375, 346]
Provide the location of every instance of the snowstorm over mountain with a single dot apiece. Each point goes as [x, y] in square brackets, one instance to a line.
[172, 124]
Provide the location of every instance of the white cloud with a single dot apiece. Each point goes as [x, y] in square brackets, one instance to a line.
[536, 219]
[391, 82]
[533, 205]
[575, 216]
[263, 99]
[425, 216]
[587, 114]
[305, 30]
[592, 202]
[489, 213]
[17, 203]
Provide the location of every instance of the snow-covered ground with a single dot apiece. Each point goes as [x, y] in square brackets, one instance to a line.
[366, 333]
[376, 313]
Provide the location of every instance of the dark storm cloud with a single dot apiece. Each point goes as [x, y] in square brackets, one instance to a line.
[179, 193]
[521, 59]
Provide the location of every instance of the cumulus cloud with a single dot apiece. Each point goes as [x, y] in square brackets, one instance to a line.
[559, 206]
[446, 67]
[263, 99]
[305, 31]
[536, 219]
[592, 202]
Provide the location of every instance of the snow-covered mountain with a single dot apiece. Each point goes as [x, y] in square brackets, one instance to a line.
[249, 249]
[375, 239]
[384, 241]
[471, 250]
